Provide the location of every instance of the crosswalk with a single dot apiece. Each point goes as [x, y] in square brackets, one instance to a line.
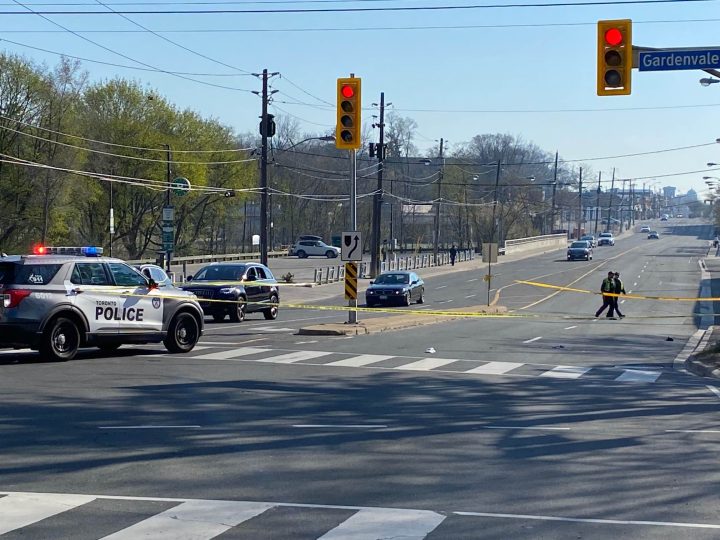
[129, 518]
[429, 364]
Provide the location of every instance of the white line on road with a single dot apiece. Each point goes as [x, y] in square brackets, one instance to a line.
[473, 279]
[305, 342]
[471, 296]
[441, 286]
[149, 427]
[713, 390]
[528, 427]
[692, 431]
[635, 284]
[533, 339]
[341, 426]
[565, 372]
[622, 301]
[495, 368]
[592, 520]
[21, 509]
[570, 327]
[232, 344]
[386, 523]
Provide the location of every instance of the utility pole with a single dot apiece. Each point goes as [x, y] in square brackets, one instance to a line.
[552, 206]
[580, 209]
[436, 245]
[612, 194]
[377, 198]
[597, 203]
[169, 213]
[622, 200]
[267, 129]
[492, 233]
[632, 196]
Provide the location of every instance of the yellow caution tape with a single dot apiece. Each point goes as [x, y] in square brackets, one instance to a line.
[628, 296]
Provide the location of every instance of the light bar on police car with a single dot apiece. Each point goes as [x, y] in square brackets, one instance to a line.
[87, 251]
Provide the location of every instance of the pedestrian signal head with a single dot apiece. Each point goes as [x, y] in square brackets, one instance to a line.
[614, 57]
[349, 122]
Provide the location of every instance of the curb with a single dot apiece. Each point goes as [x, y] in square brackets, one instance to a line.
[699, 366]
[393, 322]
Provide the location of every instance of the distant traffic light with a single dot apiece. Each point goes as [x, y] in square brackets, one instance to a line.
[614, 57]
[347, 133]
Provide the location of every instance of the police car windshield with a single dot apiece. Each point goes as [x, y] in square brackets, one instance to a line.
[30, 274]
[221, 273]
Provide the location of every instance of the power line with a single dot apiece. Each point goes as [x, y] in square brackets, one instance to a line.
[385, 9]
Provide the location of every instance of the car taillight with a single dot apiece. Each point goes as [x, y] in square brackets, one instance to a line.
[13, 297]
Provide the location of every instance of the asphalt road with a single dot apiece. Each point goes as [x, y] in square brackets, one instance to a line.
[544, 424]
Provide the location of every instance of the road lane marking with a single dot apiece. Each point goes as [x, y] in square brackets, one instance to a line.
[495, 368]
[533, 339]
[231, 353]
[592, 520]
[566, 372]
[427, 364]
[692, 431]
[471, 296]
[638, 375]
[361, 360]
[22, 509]
[544, 428]
[441, 286]
[193, 520]
[386, 523]
[306, 342]
[473, 279]
[570, 327]
[635, 284]
[149, 427]
[714, 390]
[340, 426]
[291, 358]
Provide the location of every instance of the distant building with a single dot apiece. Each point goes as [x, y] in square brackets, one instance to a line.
[669, 192]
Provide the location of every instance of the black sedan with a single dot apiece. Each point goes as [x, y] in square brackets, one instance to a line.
[235, 289]
[580, 249]
[395, 288]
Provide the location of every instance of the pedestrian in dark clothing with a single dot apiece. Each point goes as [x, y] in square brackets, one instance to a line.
[608, 286]
[453, 254]
[619, 289]
[383, 250]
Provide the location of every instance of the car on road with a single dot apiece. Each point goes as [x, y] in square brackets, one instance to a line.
[664, 218]
[653, 235]
[590, 238]
[61, 299]
[157, 274]
[235, 289]
[395, 288]
[606, 239]
[313, 248]
[580, 249]
[645, 229]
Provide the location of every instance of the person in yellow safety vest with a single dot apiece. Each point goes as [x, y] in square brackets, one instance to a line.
[619, 288]
[608, 286]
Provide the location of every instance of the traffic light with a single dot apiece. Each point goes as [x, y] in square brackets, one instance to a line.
[614, 57]
[349, 123]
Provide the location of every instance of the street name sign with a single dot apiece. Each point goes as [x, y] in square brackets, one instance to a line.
[670, 60]
[351, 246]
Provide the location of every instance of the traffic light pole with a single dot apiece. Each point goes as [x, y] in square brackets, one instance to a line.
[352, 304]
[377, 198]
[552, 207]
[263, 174]
[436, 244]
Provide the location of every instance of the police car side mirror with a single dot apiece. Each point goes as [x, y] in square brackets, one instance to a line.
[189, 278]
[152, 284]
[372, 282]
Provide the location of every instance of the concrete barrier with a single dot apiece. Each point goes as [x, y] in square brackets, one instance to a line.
[548, 242]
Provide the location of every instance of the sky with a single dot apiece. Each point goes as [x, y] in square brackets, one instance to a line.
[522, 67]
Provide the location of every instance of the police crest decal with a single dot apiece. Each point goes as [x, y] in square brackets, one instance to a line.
[156, 303]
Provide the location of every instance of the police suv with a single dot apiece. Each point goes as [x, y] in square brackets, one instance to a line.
[61, 298]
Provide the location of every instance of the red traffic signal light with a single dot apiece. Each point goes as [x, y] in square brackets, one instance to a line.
[614, 57]
[349, 122]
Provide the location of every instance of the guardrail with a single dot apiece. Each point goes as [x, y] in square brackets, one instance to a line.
[200, 259]
[331, 274]
[548, 241]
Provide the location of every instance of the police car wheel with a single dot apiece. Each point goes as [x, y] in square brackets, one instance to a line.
[183, 334]
[61, 341]
[271, 313]
[238, 313]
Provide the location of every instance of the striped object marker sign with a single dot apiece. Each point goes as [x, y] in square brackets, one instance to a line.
[351, 275]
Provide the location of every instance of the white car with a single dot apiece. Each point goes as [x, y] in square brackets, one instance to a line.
[313, 248]
[606, 239]
[645, 229]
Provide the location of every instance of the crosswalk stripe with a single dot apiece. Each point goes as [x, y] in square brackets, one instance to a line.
[22, 509]
[231, 353]
[192, 520]
[636, 375]
[495, 368]
[360, 360]
[370, 524]
[427, 363]
[565, 372]
[293, 357]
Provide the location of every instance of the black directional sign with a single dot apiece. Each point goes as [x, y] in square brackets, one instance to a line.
[351, 248]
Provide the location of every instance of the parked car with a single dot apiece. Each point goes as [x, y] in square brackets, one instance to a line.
[235, 289]
[590, 238]
[645, 229]
[664, 218]
[580, 249]
[313, 248]
[395, 287]
[606, 239]
[654, 235]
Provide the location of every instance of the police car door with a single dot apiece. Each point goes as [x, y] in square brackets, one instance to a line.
[92, 291]
[140, 307]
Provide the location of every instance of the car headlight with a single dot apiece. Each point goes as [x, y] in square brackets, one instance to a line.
[226, 290]
[369, 292]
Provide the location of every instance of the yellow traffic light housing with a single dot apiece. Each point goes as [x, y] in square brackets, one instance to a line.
[614, 57]
[349, 121]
